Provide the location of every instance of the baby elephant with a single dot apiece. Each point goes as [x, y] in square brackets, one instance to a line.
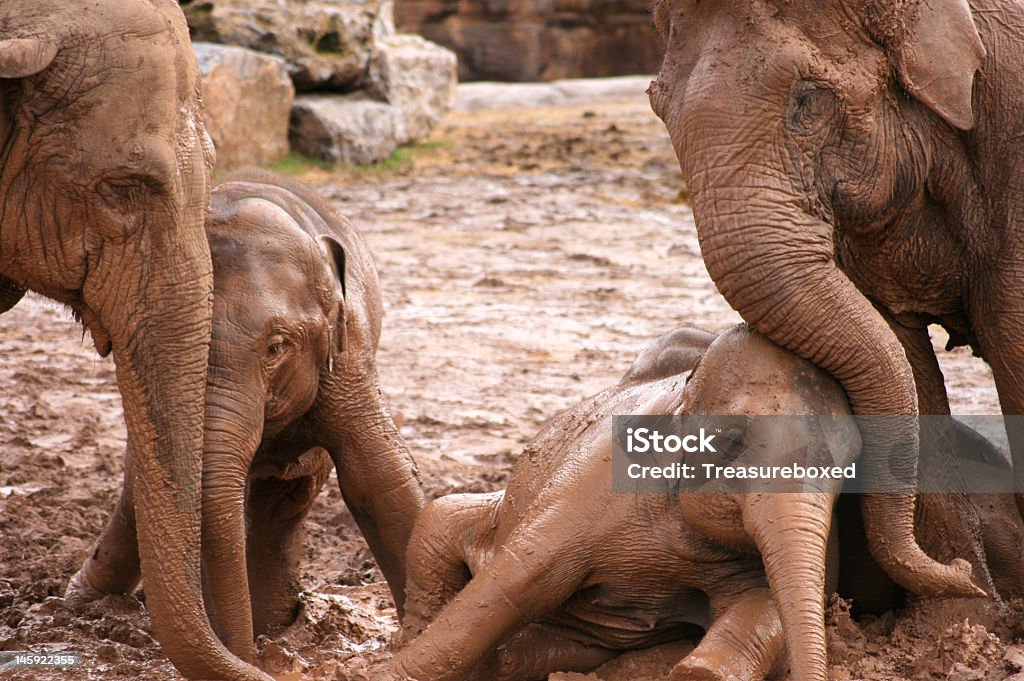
[292, 388]
[561, 573]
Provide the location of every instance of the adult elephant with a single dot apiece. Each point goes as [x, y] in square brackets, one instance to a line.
[104, 180]
[854, 172]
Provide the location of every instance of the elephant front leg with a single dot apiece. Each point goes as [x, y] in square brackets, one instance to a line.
[998, 321]
[113, 566]
[439, 551]
[745, 643]
[947, 524]
[528, 577]
[276, 509]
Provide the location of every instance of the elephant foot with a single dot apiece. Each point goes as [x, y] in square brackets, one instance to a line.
[701, 669]
[80, 593]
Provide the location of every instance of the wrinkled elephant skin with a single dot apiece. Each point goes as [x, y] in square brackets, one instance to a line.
[560, 573]
[853, 170]
[292, 386]
[104, 181]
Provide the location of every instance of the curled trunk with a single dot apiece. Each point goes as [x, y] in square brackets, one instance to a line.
[774, 263]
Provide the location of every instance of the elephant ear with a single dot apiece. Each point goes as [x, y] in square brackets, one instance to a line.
[23, 57]
[334, 253]
[936, 51]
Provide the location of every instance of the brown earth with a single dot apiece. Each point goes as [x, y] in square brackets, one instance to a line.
[525, 256]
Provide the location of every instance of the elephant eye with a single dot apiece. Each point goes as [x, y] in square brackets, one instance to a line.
[118, 194]
[812, 108]
[276, 347]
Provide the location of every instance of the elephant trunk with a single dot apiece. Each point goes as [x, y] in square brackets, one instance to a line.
[160, 347]
[775, 264]
[155, 301]
[234, 430]
[791, 531]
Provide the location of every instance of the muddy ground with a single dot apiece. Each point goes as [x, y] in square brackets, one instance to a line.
[526, 255]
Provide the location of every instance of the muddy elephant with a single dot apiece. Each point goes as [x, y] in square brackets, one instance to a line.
[292, 387]
[559, 572]
[104, 181]
[853, 168]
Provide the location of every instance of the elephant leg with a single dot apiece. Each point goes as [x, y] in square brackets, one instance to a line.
[276, 509]
[745, 643]
[947, 524]
[1003, 533]
[377, 476]
[998, 320]
[537, 651]
[113, 566]
[438, 554]
[530, 575]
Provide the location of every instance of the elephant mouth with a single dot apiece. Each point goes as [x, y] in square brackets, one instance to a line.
[91, 321]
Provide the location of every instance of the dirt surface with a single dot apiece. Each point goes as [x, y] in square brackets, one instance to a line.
[526, 255]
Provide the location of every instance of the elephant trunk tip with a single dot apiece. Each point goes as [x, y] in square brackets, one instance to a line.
[953, 581]
[961, 582]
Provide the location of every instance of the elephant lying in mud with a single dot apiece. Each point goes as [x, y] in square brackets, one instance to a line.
[559, 573]
[854, 168]
[292, 386]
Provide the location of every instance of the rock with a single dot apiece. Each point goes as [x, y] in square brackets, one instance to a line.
[528, 40]
[416, 77]
[247, 97]
[1013, 659]
[410, 86]
[327, 44]
[351, 129]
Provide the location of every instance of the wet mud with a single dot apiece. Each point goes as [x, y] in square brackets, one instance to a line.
[525, 256]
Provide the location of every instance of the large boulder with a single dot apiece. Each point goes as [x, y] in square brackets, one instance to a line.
[350, 129]
[416, 77]
[247, 98]
[528, 40]
[327, 44]
[411, 84]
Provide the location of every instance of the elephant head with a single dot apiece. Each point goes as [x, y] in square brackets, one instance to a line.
[797, 123]
[754, 381]
[278, 324]
[104, 181]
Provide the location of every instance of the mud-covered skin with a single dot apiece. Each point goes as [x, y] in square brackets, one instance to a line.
[854, 175]
[871, 591]
[104, 181]
[292, 387]
[593, 572]
[674, 353]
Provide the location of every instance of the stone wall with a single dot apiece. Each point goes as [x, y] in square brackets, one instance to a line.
[527, 40]
[362, 88]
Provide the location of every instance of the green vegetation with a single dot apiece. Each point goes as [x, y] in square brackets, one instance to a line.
[402, 157]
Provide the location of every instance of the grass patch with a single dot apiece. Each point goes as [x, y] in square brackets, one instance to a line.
[402, 157]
